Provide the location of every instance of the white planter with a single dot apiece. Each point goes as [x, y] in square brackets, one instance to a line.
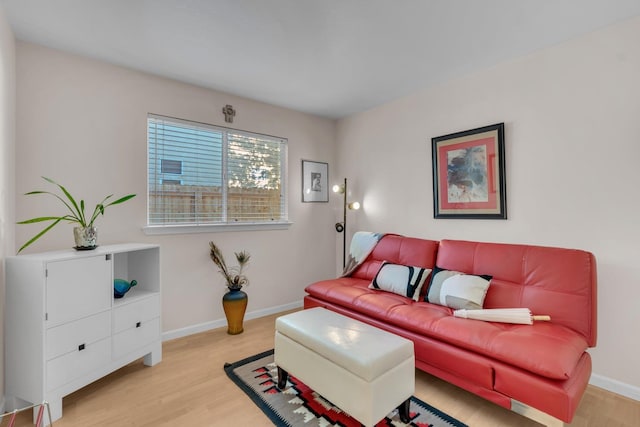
[86, 237]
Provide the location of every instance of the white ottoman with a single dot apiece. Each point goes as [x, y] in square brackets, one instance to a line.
[363, 370]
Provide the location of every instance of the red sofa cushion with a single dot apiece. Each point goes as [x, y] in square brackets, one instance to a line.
[554, 281]
[544, 348]
[547, 349]
[398, 250]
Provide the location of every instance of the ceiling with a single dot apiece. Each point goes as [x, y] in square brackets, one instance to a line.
[326, 57]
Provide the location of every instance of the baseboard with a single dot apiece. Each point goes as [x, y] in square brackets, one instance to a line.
[615, 386]
[214, 324]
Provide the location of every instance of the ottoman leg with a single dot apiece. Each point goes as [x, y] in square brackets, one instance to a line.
[282, 378]
[403, 411]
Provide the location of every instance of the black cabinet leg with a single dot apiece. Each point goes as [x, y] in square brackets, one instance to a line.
[282, 378]
[403, 411]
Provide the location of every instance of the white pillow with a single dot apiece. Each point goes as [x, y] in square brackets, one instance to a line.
[457, 290]
[400, 279]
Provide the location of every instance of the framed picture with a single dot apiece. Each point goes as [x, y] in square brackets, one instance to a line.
[468, 174]
[315, 180]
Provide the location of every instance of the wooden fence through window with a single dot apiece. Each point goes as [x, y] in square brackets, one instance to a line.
[202, 204]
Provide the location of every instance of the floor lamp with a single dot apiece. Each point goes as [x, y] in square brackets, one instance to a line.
[341, 227]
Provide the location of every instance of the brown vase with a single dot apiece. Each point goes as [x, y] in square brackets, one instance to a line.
[234, 303]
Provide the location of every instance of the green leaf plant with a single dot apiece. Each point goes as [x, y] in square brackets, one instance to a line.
[76, 211]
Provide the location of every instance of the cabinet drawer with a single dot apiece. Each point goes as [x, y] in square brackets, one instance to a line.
[133, 338]
[129, 315]
[66, 338]
[71, 366]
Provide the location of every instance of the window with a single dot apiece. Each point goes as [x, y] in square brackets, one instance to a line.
[202, 174]
[171, 166]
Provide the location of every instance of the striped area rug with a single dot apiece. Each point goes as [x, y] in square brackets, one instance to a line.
[299, 406]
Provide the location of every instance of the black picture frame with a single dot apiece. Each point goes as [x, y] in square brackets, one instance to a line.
[315, 182]
[469, 174]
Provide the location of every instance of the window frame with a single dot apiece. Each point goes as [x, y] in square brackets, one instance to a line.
[227, 225]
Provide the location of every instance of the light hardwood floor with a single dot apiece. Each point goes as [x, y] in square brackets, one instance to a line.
[189, 388]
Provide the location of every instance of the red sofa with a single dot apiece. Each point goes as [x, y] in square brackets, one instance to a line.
[539, 370]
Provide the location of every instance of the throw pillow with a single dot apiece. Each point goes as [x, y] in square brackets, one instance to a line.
[457, 290]
[400, 279]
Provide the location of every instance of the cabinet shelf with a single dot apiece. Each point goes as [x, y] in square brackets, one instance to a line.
[132, 296]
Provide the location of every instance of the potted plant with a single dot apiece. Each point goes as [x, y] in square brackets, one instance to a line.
[234, 302]
[85, 233]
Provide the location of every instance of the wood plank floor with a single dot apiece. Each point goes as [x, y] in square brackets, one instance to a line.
[189, 388]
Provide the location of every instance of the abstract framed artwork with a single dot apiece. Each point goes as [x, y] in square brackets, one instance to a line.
[469, 174]
[315, 180]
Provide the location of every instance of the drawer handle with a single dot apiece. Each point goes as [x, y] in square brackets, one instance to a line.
[138, 324]
[81, 347]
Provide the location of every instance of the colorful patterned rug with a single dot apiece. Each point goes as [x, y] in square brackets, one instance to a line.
[298, 405]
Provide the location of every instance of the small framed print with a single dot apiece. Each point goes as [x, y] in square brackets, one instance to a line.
[469, 174]
[315, 180]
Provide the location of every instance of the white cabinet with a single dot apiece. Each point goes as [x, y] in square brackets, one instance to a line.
[63, 327]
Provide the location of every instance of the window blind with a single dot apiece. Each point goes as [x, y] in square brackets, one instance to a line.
[203, 174]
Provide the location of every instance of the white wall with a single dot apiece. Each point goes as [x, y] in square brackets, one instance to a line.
[7, 148]
[572, 117]
[83, 123]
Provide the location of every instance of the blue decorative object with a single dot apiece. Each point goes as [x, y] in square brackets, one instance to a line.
[121, 287]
